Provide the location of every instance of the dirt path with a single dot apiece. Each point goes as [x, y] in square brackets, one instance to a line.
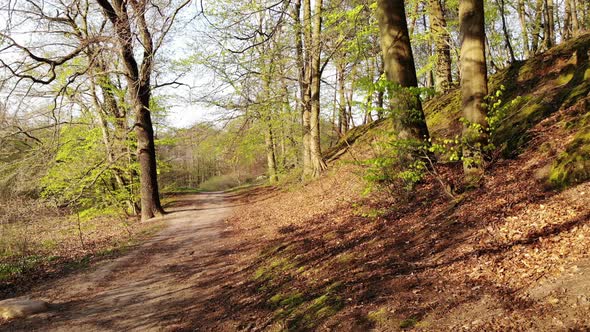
[154, 288]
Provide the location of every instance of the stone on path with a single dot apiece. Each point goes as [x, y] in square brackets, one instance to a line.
[20, 308]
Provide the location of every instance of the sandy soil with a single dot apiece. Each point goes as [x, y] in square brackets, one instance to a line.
[156, 287]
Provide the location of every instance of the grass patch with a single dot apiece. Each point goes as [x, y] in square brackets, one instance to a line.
[408, 323]
[379, 316]
[13, 269]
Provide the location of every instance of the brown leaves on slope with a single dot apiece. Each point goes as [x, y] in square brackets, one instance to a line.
[425, 258]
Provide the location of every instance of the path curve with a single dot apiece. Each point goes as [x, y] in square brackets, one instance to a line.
[154, 287]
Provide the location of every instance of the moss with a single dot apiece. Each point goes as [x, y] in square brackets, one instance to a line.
[285, 303]
[308, 316]
[575, 93]
[565, 78]
[330, 236]
[287, 299]
[526, 72]
[379, 316]
[272, 267]
[301, 270]
[260, 272]
[354, 134]
[408, 323]
[573, 165]
[422, 325]
[335, 287]
[345, 258]
[442, 112]
[512, 134]
[49, 244]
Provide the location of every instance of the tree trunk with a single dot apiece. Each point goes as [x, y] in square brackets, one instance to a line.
[342, 118]
[537, 26]
[473, 87]
[409, 120]
[442, 42]
[586, 14]
[271, 159]
[146, 153]
[524, 28]
[114, 145]
[502, 7]
[549, 25]
[267, 118]
[566, 32]
[304, 86]
[574, 17]
[381, 92]
[317, 162]
[371, 64]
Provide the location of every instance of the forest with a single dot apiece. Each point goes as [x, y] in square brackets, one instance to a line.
[294, 165]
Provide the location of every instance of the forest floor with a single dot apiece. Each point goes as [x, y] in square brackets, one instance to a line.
[264, 259]
[322, 257]
[154, 287]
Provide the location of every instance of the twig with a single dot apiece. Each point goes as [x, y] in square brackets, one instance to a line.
[80, 231]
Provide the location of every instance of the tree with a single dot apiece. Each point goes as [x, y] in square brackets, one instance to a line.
[473, 87]
[409, 120]
[313, 163]
[80, 30]
[549, 24]
[502, 7]
[442, 41]
[138, 77]
[523, 28]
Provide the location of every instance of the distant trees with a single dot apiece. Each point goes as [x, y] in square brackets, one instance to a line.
[368, 60]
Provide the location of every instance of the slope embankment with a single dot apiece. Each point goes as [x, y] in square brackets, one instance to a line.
[511, 255]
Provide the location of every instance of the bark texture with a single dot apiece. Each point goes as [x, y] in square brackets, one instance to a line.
[474, 87]
[442, 41]
[317, 162]
[409, 120]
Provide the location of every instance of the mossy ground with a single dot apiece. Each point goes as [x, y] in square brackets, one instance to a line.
[533, 90]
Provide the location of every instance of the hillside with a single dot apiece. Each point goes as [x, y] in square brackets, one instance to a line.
[332, 255]
[509, 255]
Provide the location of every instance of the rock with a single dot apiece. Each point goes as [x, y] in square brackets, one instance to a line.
[20, 308]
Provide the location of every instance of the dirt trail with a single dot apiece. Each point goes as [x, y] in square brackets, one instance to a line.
[154, 288]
